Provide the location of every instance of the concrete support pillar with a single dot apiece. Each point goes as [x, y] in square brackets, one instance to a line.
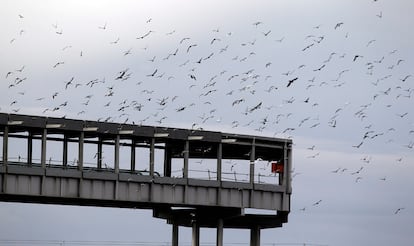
[80, 150]
[43, 149]
[255, 236]
[116, 155]
[196, 234]
[175, 230]
[219, 237]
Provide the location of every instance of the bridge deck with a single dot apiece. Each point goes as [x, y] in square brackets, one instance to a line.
[141, 181]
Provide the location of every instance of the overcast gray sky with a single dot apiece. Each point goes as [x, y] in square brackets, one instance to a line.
[329, 74]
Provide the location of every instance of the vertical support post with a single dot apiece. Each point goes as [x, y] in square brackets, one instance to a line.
[43, 149]
[99, 153]
[152, 155]
[286, 181]
[5, 145]
[186, 157]
[252, 159]
[196, 234]
[133, 154]
[80, 150]
[65, 150]
[80, 161]
[255, 236]
[116, 155]
[30, 148]
[289, 171]
[219, 161]
[285, 164]
[43, 158]
[167, 160]
[219, 238]
[219, 171]
[5, 158]
[175, 234]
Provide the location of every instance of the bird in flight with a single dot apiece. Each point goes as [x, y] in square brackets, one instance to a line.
[69, 83]
[291, 81]
[8, 73]
[122, 74]
[58, 63]
[145, 35]
[358, 145]
[191, 46]
[153, 74]
[115, 42]
[214, 39]
[20, 70]
[356, 57]
[257, 23]
[266, 33]
[320, 68]
[405, 78]
[338, 25]
[379, 15]
[398, 210]
[317, 203]
[102, 27]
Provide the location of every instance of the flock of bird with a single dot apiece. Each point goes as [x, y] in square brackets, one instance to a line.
[258, 80]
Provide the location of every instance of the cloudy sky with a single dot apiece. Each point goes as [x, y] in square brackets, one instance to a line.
[335, 76]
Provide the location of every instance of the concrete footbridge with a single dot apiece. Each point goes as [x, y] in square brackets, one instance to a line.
[191, 178]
